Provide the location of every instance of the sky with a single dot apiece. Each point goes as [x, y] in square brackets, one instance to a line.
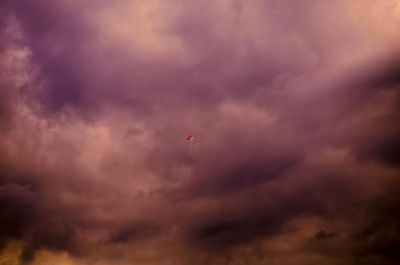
[294, 106]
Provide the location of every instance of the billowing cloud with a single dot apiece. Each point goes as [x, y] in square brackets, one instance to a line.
[294, 107]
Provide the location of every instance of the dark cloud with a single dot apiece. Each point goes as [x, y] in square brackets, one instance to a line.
[324, 235]
[244, 169]
[134, 231]
[17, 208]
[294, 109]
[376, 237]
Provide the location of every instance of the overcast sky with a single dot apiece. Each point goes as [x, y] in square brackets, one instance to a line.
[294, 106]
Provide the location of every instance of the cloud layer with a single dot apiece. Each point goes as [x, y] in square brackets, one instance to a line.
[294, 107]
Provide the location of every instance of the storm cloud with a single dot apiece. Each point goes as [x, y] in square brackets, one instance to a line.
[294, 106]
